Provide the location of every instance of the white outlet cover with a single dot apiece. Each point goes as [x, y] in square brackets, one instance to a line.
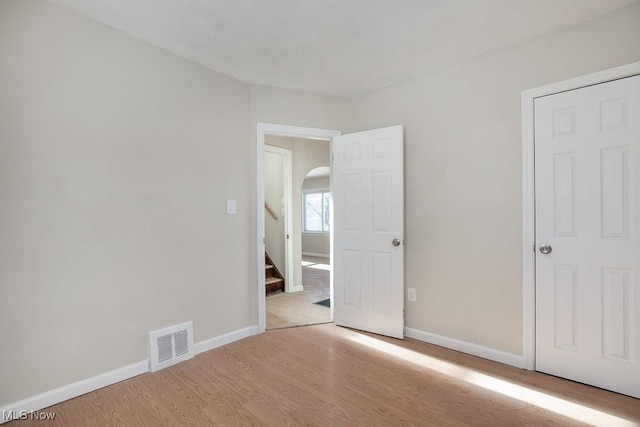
[231, 207]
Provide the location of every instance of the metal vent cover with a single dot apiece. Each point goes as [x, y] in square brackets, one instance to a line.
[170, 345]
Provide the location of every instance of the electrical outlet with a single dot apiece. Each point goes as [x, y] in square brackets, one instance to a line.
[411, 294]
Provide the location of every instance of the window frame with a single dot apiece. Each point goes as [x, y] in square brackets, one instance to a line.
[321, 191]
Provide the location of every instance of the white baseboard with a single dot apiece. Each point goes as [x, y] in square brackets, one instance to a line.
[315, 254]
[466, 347]
[52, 397]
[60, 394]
[296, 288]
[221, 340]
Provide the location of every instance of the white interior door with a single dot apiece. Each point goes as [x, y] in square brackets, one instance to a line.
[278, 196]
[587, 172]
[368, 231]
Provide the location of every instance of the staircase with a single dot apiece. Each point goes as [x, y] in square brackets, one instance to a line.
[274, 281]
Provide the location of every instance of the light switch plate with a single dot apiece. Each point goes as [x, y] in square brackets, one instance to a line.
[231, 207]
[411, 294]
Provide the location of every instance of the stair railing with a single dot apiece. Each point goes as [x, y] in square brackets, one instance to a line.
[271, 212]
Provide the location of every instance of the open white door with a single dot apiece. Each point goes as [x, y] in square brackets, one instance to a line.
[278, 196]
[368, 231]
[587, 178]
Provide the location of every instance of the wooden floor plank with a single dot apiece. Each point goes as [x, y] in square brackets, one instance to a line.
[323, 375]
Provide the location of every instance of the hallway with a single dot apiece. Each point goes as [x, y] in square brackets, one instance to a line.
[298, 309]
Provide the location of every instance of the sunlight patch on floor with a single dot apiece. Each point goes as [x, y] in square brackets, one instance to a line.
[316, 265]
[320, 267]
[542, 400]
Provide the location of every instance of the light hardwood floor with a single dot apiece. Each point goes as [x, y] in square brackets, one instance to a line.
[324, 375]
[286, 310]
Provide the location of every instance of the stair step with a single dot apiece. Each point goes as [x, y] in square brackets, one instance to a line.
[273, 284]
[268, 271]
[272, 280]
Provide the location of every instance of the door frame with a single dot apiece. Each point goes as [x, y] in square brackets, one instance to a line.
[264, 129]
[288, 209]
[528, 194]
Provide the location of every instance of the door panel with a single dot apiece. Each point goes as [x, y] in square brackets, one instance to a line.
[368, 189]
[587, 169]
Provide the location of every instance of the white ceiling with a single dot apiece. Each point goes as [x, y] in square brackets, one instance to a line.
[338, 47]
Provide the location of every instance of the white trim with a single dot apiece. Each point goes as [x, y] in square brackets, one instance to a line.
[465, 347]
[528, 237]
[316, 190]
[316, 255]
[228, 338]
[288, 207]
[60, 394]
[69, 391]
[277, 150]
[528, 193]
[264, 129]
[297, 131]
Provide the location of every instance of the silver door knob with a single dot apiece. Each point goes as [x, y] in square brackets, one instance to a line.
[395, 242]
[545, 249]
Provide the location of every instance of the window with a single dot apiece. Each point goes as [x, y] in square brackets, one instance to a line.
[316, 211]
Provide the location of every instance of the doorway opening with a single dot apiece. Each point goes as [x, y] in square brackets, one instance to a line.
[304, 297]
[305, 278]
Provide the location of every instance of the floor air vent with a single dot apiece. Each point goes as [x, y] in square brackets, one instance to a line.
[170, 345]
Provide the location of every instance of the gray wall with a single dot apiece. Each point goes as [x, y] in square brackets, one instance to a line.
[116, 159]
[316, 244]
[316, 183]
[463, 173]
